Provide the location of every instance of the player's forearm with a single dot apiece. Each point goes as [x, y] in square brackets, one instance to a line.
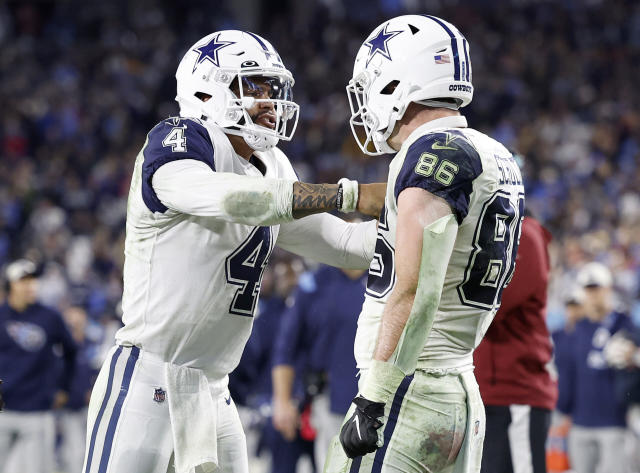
[282, 377]
[371, 198]
[309, 199]
[394, 320]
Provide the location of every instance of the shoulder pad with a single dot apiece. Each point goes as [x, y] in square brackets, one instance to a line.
[445, 164]
[170, 140]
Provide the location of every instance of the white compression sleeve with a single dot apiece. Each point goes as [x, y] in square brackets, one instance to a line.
[190, 187]
[437, 245]
[330, 240]
[383, 377]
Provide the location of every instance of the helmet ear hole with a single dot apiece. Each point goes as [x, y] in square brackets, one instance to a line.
[202, 96]
[390, 88]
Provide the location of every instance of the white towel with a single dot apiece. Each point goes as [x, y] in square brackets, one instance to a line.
[193, 419]
[469, 459]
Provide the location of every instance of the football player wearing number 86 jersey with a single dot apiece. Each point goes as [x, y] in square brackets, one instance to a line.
[210, 197]
[446, 247]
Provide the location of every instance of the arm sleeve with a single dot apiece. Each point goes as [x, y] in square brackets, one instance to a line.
[70, 351]
[445, 164]
[191, 187]
[330, 240]
[437, 245]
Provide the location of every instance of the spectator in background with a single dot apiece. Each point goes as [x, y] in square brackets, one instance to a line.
[315, 343]
[511, 364]
[28, 333]
[597, 435]
[557, 445]
[563, 343]
[72, 419]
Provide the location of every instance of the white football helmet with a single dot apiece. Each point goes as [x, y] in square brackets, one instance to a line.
[410, 58]
[212, 65]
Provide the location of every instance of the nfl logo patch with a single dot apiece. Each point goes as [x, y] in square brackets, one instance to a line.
[159, 395]
[476, 428]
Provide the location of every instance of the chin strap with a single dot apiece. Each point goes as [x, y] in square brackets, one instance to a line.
[259, 142]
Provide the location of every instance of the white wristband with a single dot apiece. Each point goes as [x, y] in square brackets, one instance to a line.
[349, 195]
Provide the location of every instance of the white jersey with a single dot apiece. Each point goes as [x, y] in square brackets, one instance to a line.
[192, 276]
[478, 177]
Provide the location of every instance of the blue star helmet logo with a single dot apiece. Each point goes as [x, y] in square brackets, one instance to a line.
[378, 44]
[209, 51]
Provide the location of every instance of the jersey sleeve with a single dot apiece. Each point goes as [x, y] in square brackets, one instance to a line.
[445, 164]
[172, 140]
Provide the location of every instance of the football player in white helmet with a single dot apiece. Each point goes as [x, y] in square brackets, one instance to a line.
[210, 197]
[446, 247]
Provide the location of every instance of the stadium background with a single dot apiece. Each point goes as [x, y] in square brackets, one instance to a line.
[82, 82]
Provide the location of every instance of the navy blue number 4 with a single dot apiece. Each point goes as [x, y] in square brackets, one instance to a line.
[495, 244]
[244, 268]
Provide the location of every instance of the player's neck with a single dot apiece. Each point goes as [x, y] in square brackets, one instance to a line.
[240, 146]
[416, 116]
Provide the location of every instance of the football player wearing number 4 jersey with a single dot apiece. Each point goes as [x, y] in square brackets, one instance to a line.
[446, 247]
[210, 197]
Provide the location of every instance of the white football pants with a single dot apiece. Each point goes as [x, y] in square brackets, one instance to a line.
[128, 427]
[424, 428]
[27, 441]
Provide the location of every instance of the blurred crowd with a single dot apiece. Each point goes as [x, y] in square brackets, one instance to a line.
[82, 84]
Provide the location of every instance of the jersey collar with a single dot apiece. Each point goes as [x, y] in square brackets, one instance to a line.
[456, 121]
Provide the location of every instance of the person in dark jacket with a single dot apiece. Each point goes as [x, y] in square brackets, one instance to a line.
[31, 388]
[72, 419]
[590, 397]
[511, 364]
[250, 383]
[316, 341]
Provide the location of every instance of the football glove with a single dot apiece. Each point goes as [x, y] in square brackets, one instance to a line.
[359, 435]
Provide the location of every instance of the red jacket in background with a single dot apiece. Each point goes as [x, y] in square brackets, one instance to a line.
[511, 359]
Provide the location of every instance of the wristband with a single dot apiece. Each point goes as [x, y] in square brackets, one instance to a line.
[347, 198]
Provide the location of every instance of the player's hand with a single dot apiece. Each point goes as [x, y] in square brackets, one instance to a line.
[1, 400]
[60, 399]
[619, 351]
[286, 419]
[359, 435]
[371, 198]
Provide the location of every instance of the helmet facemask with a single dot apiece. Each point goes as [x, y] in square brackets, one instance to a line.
[281, 116]
[372, 125]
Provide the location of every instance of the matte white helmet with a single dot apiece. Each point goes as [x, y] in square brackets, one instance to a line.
[210, 67]
[410, 58]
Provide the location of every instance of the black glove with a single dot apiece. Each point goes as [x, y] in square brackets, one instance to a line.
[359, 434]
[1, 400]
